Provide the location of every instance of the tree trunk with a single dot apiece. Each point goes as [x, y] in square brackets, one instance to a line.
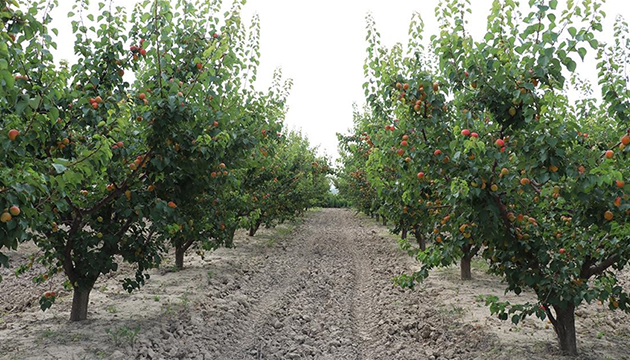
[255, 226]
[564, 325]
[378, 218]
[180, 251]
[464, 267]
[80, 300]
[372, 215]
[179, 256]
[384, 220]
[419, 238]
[229, 242]
[403, 233]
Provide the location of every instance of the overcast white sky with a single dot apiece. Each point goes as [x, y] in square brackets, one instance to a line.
[321, 46]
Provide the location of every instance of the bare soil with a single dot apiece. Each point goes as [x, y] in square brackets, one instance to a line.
[320, 290]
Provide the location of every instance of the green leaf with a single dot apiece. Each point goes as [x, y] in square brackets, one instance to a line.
[582, 52]
[20, 106]
[53, 115]
[34, 102]
[516, 319]
[59, 168]
[4, 260]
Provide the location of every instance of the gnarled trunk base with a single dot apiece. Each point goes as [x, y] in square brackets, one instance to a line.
[179, 256]
[564, 325]
[80, 300]
[419, 238]
[464, 268]
[229, 242]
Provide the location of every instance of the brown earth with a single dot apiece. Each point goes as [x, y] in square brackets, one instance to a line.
[321, 290]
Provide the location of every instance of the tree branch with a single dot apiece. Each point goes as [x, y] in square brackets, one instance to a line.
[119, 189]
[188, 244]
[504, 216]
[125, 227]
[598, 269]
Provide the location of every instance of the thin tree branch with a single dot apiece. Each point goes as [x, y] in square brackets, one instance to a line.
[598, 269]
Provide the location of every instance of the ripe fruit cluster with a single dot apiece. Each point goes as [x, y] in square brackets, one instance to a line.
[10, 213]
[138, 49]
[94, 102]
[467, 132]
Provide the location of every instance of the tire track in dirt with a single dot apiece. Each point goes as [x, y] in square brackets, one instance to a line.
[306, 312]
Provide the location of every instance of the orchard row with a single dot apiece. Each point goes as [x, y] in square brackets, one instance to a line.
[153, 138]
[476, 149]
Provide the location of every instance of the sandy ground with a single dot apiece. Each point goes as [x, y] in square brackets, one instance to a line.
[321, 290]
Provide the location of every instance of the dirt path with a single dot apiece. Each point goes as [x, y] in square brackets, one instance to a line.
[322, 290]
[325, 293]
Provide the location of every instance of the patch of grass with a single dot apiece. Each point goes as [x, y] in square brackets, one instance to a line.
[124, 334]
[479, 264]
[271, 242]
[48, 334]
[517, 329]
[52, 335]
[97, 354]
[453, 310]
[285, 230]
[184, 298]
[156, 298]
[76, 337]
[282, 231]
[450, 273]
[169, 309]
[392, 236]
[59, 337]
[458, 310]
[111, 309]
